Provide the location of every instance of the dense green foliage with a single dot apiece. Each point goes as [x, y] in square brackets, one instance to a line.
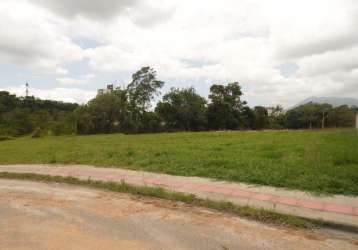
[104, 114]
[224, 110]
[313, 115]
[318, 161]
[19, 116]
[123, 110]
[128, 110]
[183, 109]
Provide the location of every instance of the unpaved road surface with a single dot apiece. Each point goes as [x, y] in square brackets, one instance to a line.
[336, 209]
[57, 216]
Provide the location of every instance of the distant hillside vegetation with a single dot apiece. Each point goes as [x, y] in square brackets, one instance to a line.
[334, 101]
[24, 115]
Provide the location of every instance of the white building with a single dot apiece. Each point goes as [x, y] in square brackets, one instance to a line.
[107, 90]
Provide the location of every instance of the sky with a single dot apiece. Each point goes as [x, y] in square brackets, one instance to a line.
[280, 51]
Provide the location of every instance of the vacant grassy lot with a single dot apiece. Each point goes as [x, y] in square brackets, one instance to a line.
[318, 161]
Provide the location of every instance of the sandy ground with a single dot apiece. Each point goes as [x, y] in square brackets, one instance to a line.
[57, 216]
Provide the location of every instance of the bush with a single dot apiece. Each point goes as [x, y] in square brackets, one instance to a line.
[5, 138]
[37, 133]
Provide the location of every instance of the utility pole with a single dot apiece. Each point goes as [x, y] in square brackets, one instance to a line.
[27, 90]
[357, 122]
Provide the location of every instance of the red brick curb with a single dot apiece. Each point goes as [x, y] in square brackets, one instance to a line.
[274, 199]
[187, 184]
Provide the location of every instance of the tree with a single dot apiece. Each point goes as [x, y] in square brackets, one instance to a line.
[183, 109]
[18, 122]
[106, 113]
[293, 119]
[141, 91]
[143, 88]
[225, 108]
[64, 124]
[310, 115]
[248, 118]
[261, 117]
[342, 116]
[314, 115]
[85, 124]
[304, 116]
[324, 111]
[8, 102]
[151, 123]
[21, 115]
[277, 118]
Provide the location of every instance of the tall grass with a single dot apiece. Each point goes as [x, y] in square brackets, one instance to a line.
[317, 161]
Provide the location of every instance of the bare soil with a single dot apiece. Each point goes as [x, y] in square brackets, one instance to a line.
[57, 216]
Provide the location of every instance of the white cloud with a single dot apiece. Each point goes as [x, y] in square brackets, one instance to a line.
[89, 76]
[93, 9]
[193, 41]
[338, 60]
[76, 81]
[30, 37]
[70, 81]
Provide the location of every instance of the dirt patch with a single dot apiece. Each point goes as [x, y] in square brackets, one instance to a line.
[52, 216]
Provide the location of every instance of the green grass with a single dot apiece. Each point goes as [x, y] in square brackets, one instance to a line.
[262, 215]
[316, 161]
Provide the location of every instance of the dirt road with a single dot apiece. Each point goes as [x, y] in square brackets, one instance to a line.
[337, 209]
[56, 216]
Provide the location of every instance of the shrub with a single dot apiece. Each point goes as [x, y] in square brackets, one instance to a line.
[5, 138]
[37, 133]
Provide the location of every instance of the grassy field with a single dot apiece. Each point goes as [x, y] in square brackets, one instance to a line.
[316, 161]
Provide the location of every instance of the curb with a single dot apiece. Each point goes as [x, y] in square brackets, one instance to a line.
[334, 213]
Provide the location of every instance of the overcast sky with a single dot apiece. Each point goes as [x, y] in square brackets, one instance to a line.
[281, 51]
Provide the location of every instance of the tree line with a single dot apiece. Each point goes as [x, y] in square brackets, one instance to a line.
[23, 115]
[129, 110]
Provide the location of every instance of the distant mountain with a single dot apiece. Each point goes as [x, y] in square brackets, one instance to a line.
[334, 101]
